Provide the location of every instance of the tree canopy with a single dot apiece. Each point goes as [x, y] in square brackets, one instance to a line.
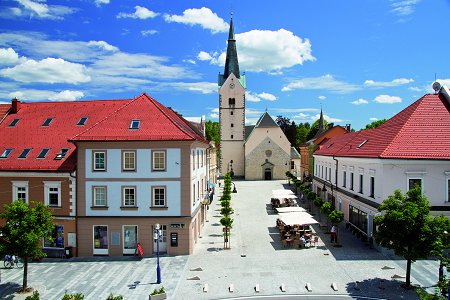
[315, 128]
[25, 227]
[212, 130]
[406, 227]
[375, 124]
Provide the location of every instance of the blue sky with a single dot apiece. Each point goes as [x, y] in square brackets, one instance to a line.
[360, 60]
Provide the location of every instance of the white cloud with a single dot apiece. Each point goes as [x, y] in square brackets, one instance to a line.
[67, 95]
[252, 112]
[254, 97]
[9, 56]
[386, 99]
[103, 45]
[322, 97]
[326, 82]
[414, 89]
[41, 10]
[214, 116]
[190, 61]
[202, 55]
[328, 118]
[200, 87]
[199, 16]
[215, 110]
[404, 7]
[395, 82]
[373, 119]
[445, 82]
[100, 2]
[139, 13]
[267, 96]
[148, 32]
[360, 101]
[295, 110]
[49, 70]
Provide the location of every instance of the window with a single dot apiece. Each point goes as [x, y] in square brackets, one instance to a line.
[344, 178]
[361, 182]
[20, 191]
[14, 123]
[57, 240]
[99, 161]
[128, 160]
[52, 194]
[326, 173]
[99, 196]
[329, 173]
[159, 160]
[231, 101]
[159, 197]
[25, 153]
[100, 239]
[231, 112]
[231, 136]
[62, 154]
[232, 125]
[135, 124]
[47, 122]
[82, 121]
[129, 196]
[6, 153]
[413, 181]
[372, 186]
[43, 153]
[193, 159]
[351, 181]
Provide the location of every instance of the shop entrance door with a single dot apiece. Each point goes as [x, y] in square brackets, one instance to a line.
[163, 243]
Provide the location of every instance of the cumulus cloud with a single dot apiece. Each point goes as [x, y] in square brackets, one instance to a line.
[395, 82]
[103, 45]
[414, 89]
[322, 97]
[148, 32]
[9, 56]
[326, 82]
[386, 99]
[139, 13]
[199, 16]
[255, 97]
[41, 10]
[100, 2]
[199, 87]
[40, 95]
[360, 101]
[67, 95]
[404, 7]
[202, 55]
[49, 70]
[373, 119]
[328, 118]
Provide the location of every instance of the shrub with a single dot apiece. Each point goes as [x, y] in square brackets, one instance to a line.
[35, 296]
[77, 296]
[158, 291]
[112, 297]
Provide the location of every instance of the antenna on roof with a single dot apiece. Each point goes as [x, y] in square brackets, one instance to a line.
[436, 87]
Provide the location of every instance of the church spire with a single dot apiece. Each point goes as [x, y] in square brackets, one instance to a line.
[321, 123]
[231, 61]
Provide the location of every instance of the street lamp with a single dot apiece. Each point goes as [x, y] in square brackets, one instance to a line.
[234, 188]
[157, 236]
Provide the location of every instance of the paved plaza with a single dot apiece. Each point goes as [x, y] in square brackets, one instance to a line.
[256, 257]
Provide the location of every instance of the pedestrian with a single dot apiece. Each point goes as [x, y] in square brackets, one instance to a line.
[333, 234]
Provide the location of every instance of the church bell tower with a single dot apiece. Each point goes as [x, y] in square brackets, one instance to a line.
[232, 87]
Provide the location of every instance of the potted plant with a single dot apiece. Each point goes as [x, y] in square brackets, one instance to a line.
[158, 294]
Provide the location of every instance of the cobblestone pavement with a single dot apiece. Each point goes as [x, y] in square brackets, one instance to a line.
[256, 257]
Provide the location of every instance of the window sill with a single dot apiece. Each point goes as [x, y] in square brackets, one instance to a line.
[99, 207]
[129, 171]
[55, 206]
[163, 170]
[99, 170]
[159, 208]
[129, 208]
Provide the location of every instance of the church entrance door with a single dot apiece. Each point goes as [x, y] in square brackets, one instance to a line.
[268, 174]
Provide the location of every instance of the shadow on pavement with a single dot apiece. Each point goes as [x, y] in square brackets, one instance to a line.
[381, 288]
[7, 290]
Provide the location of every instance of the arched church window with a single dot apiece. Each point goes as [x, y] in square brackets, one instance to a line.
[231, 112]
[231, 101]
[232, 125]
[231, 136]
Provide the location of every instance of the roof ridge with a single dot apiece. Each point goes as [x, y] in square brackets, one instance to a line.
[154, 102]
[108, 116]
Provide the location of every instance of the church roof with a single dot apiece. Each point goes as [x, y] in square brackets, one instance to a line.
[294, 153]
[266, 121]
[231, 61]
[248, 131]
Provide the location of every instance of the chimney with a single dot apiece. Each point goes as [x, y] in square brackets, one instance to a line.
[444, 91]
[15, 106]
[347, 127]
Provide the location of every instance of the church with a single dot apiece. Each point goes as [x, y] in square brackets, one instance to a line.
[257, 152]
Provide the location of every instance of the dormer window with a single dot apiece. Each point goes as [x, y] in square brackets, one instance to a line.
[43, 153]
[25, 153]
[47, 122]
[82, 121]
[14, 123]
[6, 153]
[62, 154]
[135, 124]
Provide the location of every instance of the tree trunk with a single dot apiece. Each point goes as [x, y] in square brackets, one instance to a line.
[408, 273]
[25, 273]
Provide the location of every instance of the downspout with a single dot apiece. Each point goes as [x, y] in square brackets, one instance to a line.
[336, 175]
[76, 207]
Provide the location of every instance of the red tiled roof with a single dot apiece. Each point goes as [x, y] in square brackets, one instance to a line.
[157, 123]
[29, 132]
[3, 110]
[420, 131]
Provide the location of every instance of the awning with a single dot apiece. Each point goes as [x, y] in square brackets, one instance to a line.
[290, 209]
[283, 192]
[297, 218]
[284, 196]
[210, 184]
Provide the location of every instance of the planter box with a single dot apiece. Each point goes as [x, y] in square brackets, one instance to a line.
[158, 297]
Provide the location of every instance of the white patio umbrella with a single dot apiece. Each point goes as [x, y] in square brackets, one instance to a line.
[297, 218]
[290, 209]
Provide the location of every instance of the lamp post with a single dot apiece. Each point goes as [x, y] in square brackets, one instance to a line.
[234, 188]
[157, 235]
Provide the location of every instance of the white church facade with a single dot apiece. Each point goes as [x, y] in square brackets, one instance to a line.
[258, 152]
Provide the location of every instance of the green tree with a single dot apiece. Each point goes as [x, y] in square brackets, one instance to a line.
[336, 217]
[25, 227]
[212, 130]
[405, 226]
[375, 124]
[315, 128]
[301, 134]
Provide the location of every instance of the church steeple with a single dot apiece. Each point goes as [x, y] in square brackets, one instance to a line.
[321, 123]
[231, 61]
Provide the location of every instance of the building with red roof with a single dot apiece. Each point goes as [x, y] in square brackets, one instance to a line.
[358, 170]
[100, 164]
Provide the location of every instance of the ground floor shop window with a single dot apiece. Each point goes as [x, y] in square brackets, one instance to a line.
[130, 238]
[101, 240]
[57, 240]
[358, 218]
